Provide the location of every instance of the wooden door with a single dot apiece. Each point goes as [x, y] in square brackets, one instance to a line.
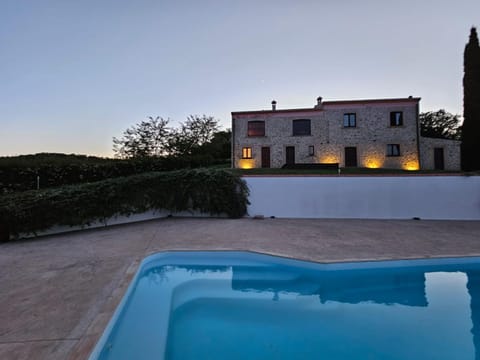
[290, 155]
[265, 157]
[438, 158]
[351, 156]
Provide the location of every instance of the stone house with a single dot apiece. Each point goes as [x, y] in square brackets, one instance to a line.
[376, 133]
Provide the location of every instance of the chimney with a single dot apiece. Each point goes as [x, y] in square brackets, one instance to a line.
[274, 105]
[319, 103]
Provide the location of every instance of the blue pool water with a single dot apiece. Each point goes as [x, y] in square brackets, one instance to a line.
[235, 305]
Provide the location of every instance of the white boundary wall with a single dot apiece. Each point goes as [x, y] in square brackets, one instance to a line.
[399, 197]
[379, 197]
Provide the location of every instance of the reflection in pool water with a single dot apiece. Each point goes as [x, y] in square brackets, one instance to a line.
[231, 305]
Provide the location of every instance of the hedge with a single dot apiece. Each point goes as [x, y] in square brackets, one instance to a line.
[207, 190]
[53, 170]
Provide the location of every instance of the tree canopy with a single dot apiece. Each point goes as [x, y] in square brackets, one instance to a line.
[192, 134]
[471, 104]
[197, 136]
[440, 124]
[147, 138]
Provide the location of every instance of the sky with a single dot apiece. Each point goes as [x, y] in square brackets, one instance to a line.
[74, 74]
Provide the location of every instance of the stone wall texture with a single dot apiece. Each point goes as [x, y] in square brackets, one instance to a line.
[451, 153]
[329, 137]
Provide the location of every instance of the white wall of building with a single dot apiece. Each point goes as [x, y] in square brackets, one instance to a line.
[399, 197]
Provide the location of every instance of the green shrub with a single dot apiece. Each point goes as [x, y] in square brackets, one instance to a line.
[20, 173]
[206, 190]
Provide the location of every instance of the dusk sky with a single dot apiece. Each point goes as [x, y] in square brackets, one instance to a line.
[75, 73]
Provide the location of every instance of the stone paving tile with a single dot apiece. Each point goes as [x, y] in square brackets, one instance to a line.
[48, 349]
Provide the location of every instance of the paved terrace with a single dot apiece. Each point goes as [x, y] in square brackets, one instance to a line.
[57, 293]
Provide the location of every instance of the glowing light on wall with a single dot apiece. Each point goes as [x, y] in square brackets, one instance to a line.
[373, 162]
[329, 159]
[246, 163]
[411, 166]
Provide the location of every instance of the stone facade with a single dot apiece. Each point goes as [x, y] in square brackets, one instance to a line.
[371, 138]
[435, 152]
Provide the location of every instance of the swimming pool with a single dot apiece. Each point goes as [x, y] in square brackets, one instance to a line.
[239, 305]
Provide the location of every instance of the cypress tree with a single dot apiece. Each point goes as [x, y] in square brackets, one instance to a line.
[471, 105]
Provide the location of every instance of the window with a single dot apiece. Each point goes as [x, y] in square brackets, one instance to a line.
[396, 118]
[350, 120]
[301, 127]
[246, 153]
[256, 128]
[393, 150]
[311, 150]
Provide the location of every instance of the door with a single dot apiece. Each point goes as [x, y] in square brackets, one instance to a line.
[290, 155]
[438, 159]
[350, 156]
[265, 157]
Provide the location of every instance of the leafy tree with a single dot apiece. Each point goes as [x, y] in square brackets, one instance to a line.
[148, 138]
[219, 146]
[471, 104]
[198, 136]
[193, 133]
[440, 124]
